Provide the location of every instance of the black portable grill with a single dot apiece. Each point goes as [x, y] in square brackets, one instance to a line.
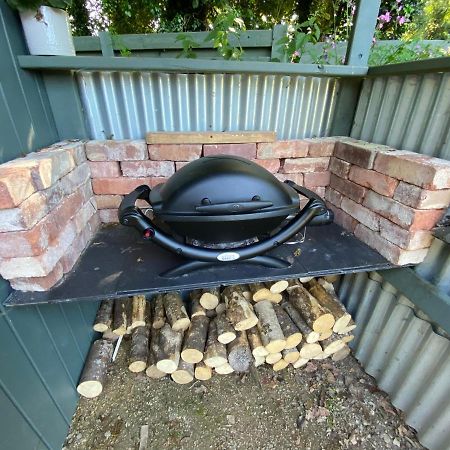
[221, 209]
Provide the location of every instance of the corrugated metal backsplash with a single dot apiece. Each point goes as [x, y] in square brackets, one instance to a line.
[401, 350]
[126, 105]
[406, 112]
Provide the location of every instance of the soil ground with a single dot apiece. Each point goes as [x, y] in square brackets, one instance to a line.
[323, 406]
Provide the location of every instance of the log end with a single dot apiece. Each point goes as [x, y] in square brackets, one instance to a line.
[293, 340]
[215, 361]
[137, 366]
[100, 327]
[324, 323]
[312, 337]
[181, 324]
[167, 366]
[246, 324]
[224, 369]
[90, 389]
[209, 301]
[273, 358]
[279, 286]
[280, 365]
[203, 373]
[300, 362]
[191, 355]
[309, 351]
[291, 357]
[182, 377]
[342, 323]
[153, 372]
[276, 345]
[226, 338]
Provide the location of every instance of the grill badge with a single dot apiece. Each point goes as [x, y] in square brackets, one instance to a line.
[228, 256]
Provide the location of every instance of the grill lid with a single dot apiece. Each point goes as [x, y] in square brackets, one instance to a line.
[222, 187]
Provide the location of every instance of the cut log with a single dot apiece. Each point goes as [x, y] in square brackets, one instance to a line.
[325, 295]
[347, 338]
[195, 340]
[175, 311]
[216, 352]
[325, 335]
[110, 336]
[210, 298]
[309, 351]
[341, 354]
[290, 355]
[332, 345]
[196, 308]
[122, 312]
[256, 345]
[224, 369]
[170, 346]
[309, 335]
[159, 316]
[139, 312]
[154, 354]
[246, 292]
[239, 354]
[331, 278]
[184, 374]
[139, 349]
[94, 371]
[272, 358]
[269, 328]
[315, 315]
[220, 308]
[321, 356]
[300, 363]
[291, 332]
[347, 329]
[103, 319]
[202, 371]
[276, 287]
[239, 311]
[259, 291]
[280, 365]
[259, 360]
[305, 279]
[225, 331]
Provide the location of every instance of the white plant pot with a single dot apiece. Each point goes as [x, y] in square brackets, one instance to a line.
[47, 31]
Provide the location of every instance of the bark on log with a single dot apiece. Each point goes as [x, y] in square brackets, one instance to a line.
[239, 354]
[103, 318]
[276, 287]
[184, 374]
[170, 346]
[309, 351]
[139, 311]
[280, 365]
[291, 333]
[300, 362]
[269, 329]
[216, 352]
[309, 335]
[110, 336]
[225, 331]
[224, 369]
[239, 311]
[256, 345]
[196, 308]
[159, 316]
[325, 295]
[220, 308]
[315, 315]
[93, 376]
[290, 355]
[246, 292]
[272, 358]
[154, 355]
[195, 340]
[341, 354]
[175, 311]
[139, 349]
[202, 371]
[210, 298]
[122, 312]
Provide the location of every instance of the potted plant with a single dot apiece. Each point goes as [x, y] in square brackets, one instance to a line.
[46, 26]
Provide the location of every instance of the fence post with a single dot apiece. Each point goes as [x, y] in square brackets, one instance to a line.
[106, 43]
[277, 52]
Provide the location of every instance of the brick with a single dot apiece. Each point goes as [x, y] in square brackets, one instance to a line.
[39, 283]
[117, 186]
[339, 167]
[348, 188]
[156, 180]
[74, 147]
[332, 196]
[361, 214]
[316, 179]
[104, 169]
[148, 168]
[419, 198]
[361, 153]
[295, 177]
[123, 150]
[306, 165]
[180, 164]
[245, 150]
[108, 201]
[109, 215]
[175, 152]
[272, 165]
[390, 251]
[342, 218]
[319, 190]
[408, 240]
[321, 147]
[402, 215]
[376, 181]
[283, 149]
[420, 170]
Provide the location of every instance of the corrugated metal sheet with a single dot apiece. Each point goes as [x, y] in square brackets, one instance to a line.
[124, 105]
[401, 350]
[406, 112]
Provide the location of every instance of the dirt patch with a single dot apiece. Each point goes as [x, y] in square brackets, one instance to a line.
[324, 405]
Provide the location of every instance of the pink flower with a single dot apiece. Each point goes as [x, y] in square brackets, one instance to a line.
[296, 53]
[401, 20]
[386, 17]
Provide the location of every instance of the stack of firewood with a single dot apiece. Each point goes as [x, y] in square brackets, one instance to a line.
[228, 330]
